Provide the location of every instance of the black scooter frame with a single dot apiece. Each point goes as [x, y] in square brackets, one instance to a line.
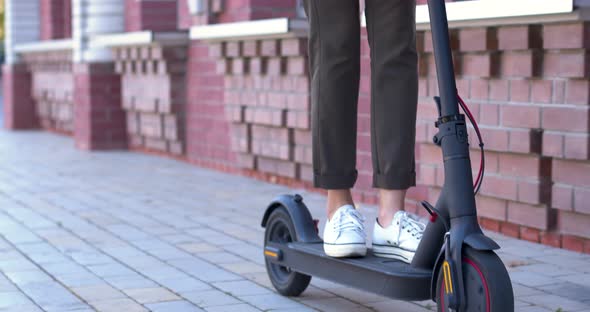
[455, 206]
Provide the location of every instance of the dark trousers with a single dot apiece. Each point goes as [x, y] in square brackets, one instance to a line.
[334, 52]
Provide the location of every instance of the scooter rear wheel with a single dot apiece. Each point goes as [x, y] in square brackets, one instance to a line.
[280, 229]
[487, 283]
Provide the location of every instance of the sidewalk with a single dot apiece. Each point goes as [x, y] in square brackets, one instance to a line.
[121, 231]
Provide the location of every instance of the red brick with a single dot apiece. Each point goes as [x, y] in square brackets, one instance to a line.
[582, 200]
[572, 223]
[572, 243]
[510, 229]
[525, 141]
[216, 50]
[499, 90]
[233, 48]
[490, 224]
[296, 66]
[571, 172]
[480, 89]
[251, 48]
[562, 197]
[530, 234]
[553, 144]
[551, 239]
[542, 91]
[533, 192]
[520, 90]
[278, 167]
[519, 64]
[553, 36]
[520, 165]
[495, 139]
[566, 64]
[578, 92]
[293, 47]
[476, 65]
[558, 92]
[477, 39]
[298, 119]
[528, 215]
[489, 114]
[270, 47]
[566, 119]
[257, 66]
[577, 146]
[275, 66]
[492, 208]
[521, 116]
[499, 187]
[239, 66]
[430, 154]
[518, 38]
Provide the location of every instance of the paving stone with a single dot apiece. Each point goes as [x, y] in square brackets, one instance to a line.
[13, 299]
[25, 277]
[179, 285]
[242, 288]
[555, 302]
[176, 306]
[116, 220]
[118, 305]
[233, 308]
[98, 292]
[210, 298]
[130, 282]
[151, 295]
[271, 302]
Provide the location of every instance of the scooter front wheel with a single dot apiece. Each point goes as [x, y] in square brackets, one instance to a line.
[280, 230]
[486, 281]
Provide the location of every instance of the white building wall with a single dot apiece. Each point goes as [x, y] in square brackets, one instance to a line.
[95, 17]
[21, 24]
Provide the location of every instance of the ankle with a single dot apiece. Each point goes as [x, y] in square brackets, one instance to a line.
[337, 199]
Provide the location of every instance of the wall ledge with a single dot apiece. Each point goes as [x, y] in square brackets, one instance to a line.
[44, 46]
[269, 28]
[140, 38]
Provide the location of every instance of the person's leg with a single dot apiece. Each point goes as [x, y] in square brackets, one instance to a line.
[391, 30]
[334, 52]
[394, 82]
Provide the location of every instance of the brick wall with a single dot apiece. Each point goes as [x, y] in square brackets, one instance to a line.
[528, 87]
[52, 88]
[155, 15]
[227, 11]
[56, 20]
[153, 95]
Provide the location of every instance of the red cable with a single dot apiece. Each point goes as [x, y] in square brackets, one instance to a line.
[476, 127]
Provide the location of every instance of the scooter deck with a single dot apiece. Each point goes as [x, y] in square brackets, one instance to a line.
[387, 277]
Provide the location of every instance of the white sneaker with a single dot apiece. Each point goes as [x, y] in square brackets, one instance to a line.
[400, 239]
[344, 235]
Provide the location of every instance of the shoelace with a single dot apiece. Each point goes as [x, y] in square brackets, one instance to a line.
[415, 228]
[349, 220]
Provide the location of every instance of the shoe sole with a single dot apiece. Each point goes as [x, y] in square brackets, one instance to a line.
[393, 253]
[345, 250]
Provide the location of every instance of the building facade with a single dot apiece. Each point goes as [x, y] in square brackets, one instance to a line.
[224, 84]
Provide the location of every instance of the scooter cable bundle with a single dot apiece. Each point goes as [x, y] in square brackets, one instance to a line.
[479, 180]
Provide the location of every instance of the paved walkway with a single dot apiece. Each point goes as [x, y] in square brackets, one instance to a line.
[120, 231]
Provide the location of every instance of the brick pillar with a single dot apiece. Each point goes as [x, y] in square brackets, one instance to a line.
[22, 25]
[55, 18]
[19, 108]
[155, 15]
[99, 121]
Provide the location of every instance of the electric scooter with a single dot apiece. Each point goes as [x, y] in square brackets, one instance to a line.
[455, 264]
